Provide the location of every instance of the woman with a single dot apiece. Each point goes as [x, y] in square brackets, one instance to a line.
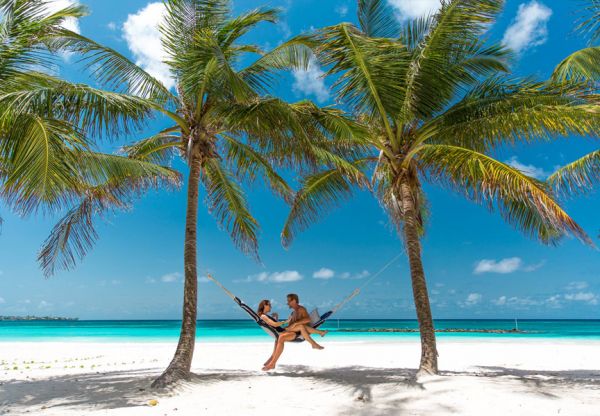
[264, 307]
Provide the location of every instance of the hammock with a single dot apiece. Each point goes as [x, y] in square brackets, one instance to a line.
[316, 319]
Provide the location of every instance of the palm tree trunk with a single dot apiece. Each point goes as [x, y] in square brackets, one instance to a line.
[182, 360]
[428, 363]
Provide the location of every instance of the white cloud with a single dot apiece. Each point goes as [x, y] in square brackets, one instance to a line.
[411, 9]
[500, 301]
[276, 277]
[472, 299]
[171, 277]
[44, 305]
[341, 10]
[324, 273]
[140, 30]
[580, 285]
[310, 81]
[529, 28]
[70, 23]
[503, 266]
[530, 170]
[587, 297]
[362, 275]
[111, 26]
[203, 279]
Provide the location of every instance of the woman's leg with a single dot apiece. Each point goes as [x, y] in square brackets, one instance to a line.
[272, 354]
[305, 333]
[283, 338]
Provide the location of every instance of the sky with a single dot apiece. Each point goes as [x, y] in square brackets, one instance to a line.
[476, 265]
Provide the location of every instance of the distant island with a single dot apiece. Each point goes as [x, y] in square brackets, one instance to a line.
[36, 318]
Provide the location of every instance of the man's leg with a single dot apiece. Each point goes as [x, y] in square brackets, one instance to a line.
[307, 337]
[312, 330]
[283, 338]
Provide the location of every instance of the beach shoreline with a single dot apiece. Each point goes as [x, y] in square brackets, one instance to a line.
[491, 376]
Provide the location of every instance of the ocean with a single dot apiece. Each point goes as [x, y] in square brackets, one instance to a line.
[247, 330]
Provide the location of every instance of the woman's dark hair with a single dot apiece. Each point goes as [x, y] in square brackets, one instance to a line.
[261, 306]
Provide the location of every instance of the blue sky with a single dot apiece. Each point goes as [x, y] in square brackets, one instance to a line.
[476, 265]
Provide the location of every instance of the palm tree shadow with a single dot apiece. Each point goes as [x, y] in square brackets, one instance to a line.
[110, 390]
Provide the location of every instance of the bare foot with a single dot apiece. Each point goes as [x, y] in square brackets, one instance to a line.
[323, 333]
[268, 367]
[318, 347]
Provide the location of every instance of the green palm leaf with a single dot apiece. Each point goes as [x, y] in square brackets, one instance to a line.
[227, 202]
[577, 177]
[522, 201]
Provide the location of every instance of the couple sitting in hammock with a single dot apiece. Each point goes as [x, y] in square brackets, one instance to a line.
[297, 324]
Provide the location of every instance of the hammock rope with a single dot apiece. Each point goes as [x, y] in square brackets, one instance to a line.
[275, 331]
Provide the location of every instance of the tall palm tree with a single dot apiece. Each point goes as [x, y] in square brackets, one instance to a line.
[583, 174]
[224, 125]
[436, 102]
[47, 157]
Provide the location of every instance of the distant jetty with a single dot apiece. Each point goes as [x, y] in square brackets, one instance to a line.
[485, 331]
[36, 318]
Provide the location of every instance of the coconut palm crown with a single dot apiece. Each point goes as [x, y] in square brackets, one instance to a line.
[437, 100]
[223, 124]
[48, 158]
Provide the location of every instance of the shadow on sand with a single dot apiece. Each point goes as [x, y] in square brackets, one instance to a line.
[121, 389]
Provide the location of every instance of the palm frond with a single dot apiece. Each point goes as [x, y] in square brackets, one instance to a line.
[160, 148]
[451, 36]
[500, 112]
[227, 202]
[522, 201]
[578, 177]
[377, 19]
[579, 66]
[319, 193]
[295, 53]
[246, 163]
[112, 69]
[97, 112]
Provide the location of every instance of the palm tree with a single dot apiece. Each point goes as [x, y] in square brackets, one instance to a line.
[223, 125]
[583, 174]
[436, 102]
[47, 159]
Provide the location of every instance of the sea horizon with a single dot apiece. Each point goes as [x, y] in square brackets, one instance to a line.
[237, 330]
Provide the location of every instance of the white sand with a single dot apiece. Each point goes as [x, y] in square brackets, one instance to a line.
[486, 378]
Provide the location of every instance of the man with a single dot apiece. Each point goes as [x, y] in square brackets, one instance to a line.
[298, 324]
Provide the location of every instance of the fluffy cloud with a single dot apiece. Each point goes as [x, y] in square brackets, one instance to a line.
[341, 10]
[529, 28]
[310, 81]
[275, 277]
[171, 277]
[140, 30]
[44, 305]
[54, 6]
[530, 170]
[579, 285]
[411, 9]
[503, 266]
[587, 297]
[324, 273]
[472, 299]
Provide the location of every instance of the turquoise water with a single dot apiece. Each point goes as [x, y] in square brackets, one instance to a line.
[246, 330]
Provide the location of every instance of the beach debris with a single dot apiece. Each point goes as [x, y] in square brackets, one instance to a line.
[152, 402]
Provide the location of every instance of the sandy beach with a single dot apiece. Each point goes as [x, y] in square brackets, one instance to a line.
[491, 377]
